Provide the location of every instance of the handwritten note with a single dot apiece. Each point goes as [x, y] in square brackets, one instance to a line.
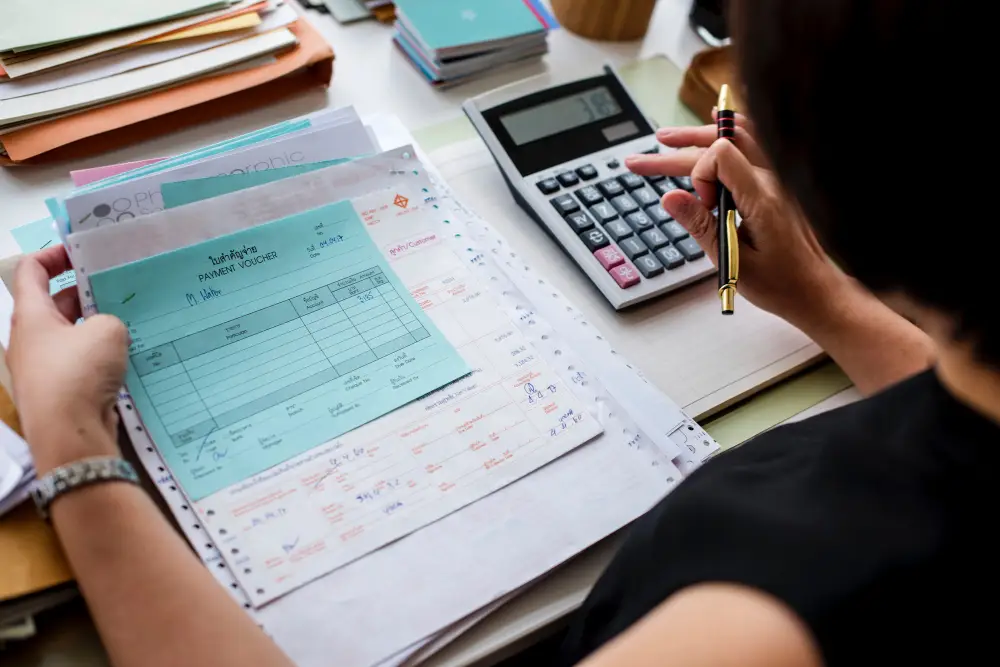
[255, 347]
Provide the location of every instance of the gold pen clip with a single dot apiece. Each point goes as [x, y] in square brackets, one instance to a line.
[727, 293]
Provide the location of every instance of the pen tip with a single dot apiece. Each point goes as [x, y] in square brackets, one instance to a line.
[725, 98]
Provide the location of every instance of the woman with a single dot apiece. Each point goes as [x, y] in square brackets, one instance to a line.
[851, 538]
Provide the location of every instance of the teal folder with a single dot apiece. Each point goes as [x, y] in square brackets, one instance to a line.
[447, 24]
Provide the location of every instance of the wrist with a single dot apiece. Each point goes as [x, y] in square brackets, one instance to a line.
[60, 441]
[829, 295]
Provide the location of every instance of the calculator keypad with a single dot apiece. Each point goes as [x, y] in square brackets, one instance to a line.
[626, 221]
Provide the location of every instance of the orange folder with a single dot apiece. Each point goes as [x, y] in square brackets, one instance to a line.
[105, 128]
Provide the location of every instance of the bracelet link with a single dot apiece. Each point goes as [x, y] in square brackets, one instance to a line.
[75, 475]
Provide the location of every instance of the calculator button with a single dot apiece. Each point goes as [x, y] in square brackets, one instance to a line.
[633, 247]
[631, 181]
[684, 182]
[671, 257]
[654, 238]
[589, 195]
[639, 221]
[655, 178]
[665, 186]
[611, 187]
[624, 204]
[595, 239]
[587, 172]
[645, 197]
[609, 257]
[654, 149]
[548, 186]
[658, 215]
[603, 212]
[618, 229]
[614, 164]
[690, 249]
[625, 275]
[565, 205]
[568, 178]
[674, 231]
[579, 221]
[649, 266]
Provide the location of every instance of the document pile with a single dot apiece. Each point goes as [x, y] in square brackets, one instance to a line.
[344, 397]
[17, 470]
[64, 58]
[452, 41]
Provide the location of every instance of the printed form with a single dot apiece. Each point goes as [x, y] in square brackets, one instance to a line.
[251, 372]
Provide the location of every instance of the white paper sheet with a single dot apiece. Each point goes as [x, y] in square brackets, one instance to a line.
[17, 470]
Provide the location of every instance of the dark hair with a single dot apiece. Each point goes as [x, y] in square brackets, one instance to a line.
[862, 109]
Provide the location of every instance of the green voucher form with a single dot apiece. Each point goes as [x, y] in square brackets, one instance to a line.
[257, 346]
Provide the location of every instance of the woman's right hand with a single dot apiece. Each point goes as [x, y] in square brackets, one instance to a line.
[783, 269]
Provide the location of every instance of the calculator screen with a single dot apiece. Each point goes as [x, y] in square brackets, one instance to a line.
[560, 115]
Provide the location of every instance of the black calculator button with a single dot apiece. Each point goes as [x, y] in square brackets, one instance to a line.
[611, 187]
[665, 186]
[614, 164]
[595, 239]
[674, 231]
[639, 221]
[568, 178]
[645, 196]
[690, 249]
[624, 204]
[654, 149]
[603, 212]
[548, 186]
[589, 195]
[633, 247]
[684, 182]
[654, 238]
[658, 215]
[565, 205]
[631, 181]
[587, 172]
[649, 266]
[671, 257]
[656, 178]
[580, 221]
[618, 229]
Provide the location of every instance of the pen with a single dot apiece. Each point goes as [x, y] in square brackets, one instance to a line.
[729, 249]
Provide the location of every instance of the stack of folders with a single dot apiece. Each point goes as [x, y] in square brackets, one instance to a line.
[453, 41]
[70, 70]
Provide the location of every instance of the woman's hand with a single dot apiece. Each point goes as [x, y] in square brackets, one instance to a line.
[66, 377]
[783, 269]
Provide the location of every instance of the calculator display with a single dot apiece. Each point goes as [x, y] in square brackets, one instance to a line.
[560, 115]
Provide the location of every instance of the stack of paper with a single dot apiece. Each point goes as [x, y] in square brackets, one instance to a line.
[17, 470]
[65, 58]
[451, 41]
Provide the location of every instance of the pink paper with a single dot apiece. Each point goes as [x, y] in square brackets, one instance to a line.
[83, 177]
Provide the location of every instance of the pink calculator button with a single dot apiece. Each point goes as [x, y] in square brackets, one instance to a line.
[609, 257]
[625, 275]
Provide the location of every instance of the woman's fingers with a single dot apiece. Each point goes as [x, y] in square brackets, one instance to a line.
[675, 163]
[696, 219]
[705, 136]
[724, 163]
[68, 303]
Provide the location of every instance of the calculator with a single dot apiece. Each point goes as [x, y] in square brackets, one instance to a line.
[561, 147]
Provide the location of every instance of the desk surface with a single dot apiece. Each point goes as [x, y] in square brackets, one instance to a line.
[383, 81]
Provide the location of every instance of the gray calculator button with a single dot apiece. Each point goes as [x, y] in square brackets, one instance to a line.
[587, 172]
[568, 178]
[603, 212]
[633, 247]
[690, 249]
[595, 239]
[589, 195]
[671, 257]
[618, 229]
[611, 187]
[658, 215]
[655, 178]
[674, 230]
[684, 182]
[665, 186]
[639, 221]
[548, 186]
[565, 205]
[645, 196]
[579, 221]
[631, 181]
[654, 238]
[624, 204]
[649, 266]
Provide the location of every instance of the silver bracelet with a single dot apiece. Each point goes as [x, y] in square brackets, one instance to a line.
[81, 473]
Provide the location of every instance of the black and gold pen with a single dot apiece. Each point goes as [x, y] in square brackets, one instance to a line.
[729, 249]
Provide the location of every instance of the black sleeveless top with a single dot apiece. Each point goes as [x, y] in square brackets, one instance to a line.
[875, 523]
